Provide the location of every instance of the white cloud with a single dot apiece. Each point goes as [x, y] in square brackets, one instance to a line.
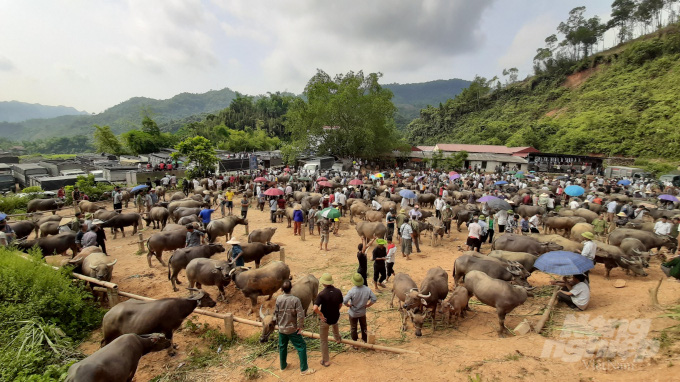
[522, 50]
[6, 64]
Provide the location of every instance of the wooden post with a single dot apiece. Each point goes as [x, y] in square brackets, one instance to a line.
[302, 233]
[654, 294]
[229, 325]
[546, 314]
[246, 229]
[282, 255]
[141, 242]
[112, 293]
[371, 338]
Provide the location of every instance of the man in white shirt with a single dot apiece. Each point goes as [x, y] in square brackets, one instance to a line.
[376, 205]
[438, 205]
[611, 211]
[474, 235]
[574, 204]
[663, 226]
[502, 220]
[534, 222]
[578, 296]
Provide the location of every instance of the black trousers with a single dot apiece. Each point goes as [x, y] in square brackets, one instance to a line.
[244, 213]
[363, 274]
[501, 228]
[490, 235]
[390, 269]
[447, 227]
[566, 299]
[353, 328]
[272, 216]
[379, 270]
[438, 214]
[390, 231]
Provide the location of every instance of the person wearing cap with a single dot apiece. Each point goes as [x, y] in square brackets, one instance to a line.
[589, 249]
[407, 234]
[327, 306]
[236, 252]
[290, 318]
[358, 299]
[485, 230]
[389, 221]
[7, 234]
[76, 222]
[379, 267]
[194, 236]
[79, 236]
[245, 203]
[663, 227]
[600, 225]
[230, 200]
[474, 241]
[88, 220]
[89, 238]
[622, 220]
[298, 218]
[447, 216]
[511, 223]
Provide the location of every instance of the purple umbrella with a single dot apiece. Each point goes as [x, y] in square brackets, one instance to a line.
[419, 178]
[670, 198]
[454, 177]
[487, 198]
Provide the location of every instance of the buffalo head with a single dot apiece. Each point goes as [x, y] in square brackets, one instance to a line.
[215, 248]
[158, 341]
[202, 297]
[634, 264]
[415, 300]
[268, 325]
[103, 271]
[550, 246]
[418, 319]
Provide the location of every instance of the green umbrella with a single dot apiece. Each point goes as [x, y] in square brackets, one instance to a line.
[519, 176]
[329, 213]
[304, 178]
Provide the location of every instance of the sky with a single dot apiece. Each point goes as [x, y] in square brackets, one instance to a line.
[95, 54]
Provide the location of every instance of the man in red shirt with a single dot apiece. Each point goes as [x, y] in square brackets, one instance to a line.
[526, 199]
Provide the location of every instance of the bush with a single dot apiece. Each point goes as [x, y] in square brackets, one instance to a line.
[42, 315]
[32, 189]
[95, 191]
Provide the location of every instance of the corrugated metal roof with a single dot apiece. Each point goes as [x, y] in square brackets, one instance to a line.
[495, 158]
[490, 149]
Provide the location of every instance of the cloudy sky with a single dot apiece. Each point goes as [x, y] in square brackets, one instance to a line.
[94, 54]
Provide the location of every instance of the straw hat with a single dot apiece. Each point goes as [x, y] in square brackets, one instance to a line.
[233, 242]
[65, 221]
[327, 279]
[619, 283]
[297, 207]
[97, 222]
[357, 279]
[88, 216]
[588, 235]
[621, 214]
[206, 192]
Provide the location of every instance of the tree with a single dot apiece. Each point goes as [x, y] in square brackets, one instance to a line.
[139, 142]
[622, 18]
[198, 151]
[106, 142]
[350, 115]
[512, 74]
[150, 126]
[456, 160]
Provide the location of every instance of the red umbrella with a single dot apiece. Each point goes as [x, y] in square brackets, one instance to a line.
[325, 184]
[452, 173]
[321, 179]
[355, 182]
[260, 179]
[273, 192]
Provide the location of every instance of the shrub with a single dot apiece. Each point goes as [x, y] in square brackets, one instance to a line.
[32, 189]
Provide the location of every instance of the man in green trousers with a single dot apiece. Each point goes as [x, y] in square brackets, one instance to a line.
[291, 319]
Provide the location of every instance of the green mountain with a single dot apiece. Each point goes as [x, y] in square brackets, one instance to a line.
[410, 98]
[122, 117]
[15, 111]
[619, 102]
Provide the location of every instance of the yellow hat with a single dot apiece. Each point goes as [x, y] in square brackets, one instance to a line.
[588, 235]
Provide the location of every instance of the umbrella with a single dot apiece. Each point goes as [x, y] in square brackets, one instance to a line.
[330, 213]
[378, 175]
[304, 179]
[562, 177]
[623, 182]
[530, 176]
[574, 190]
[260, 179]
[355, 182]
[419, 178]
[273, 192]
[138, 188]
[519, 175]
[563, 263]
[500, 183]
[509, 172]
[452, 173]
[499, 204]
[670, 198]
[408, 194]
[485, 199]
[454, 176]
[321, 179]
[520, 172]
[325, 184]
[3, 216]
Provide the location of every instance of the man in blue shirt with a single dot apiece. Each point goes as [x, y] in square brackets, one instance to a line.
[205, 215]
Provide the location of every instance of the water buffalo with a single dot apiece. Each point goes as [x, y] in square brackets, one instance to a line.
[527, 211]
[369, 230]
[511, 272]
[158, 316]
[117, 361]
[426, 199]
[644, 226]
[184, 220]
[98, 266]
[181, 212]
[158, 216]
[223, 227]
[567, 245]
[104, 214]
[167, 240]
[22, 228]
[38, 220]
[184, 203]
[260, 282]
[586, 214]
[496, 293]
[388, 205]
[526, 259]
[262, 235]
[634, 247]
[306, 289]
[649, 239]
[36, 205]
[179, 195]
[554, 223]
[406, 290]
[436, 228]
[51, 245]
[256, 251]
[433, 288]
[49, 228]
[202, 271]
[520, 243]
[357, 209]
[182, 257]
[120, 221]
[613, 257]
[578, 229]
[374, 216]
[456, 304]
[87, 206]
[597, 208]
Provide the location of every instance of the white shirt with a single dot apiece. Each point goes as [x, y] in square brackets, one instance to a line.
[573, 205]
[376, 205]
[661, 228]
[611, 207]
[390, 254]
[438, 204]
[551, 203]
[502, 217]
[341, 199]
[534, 222]
[589, 249]
[580, 295]
[474, 230]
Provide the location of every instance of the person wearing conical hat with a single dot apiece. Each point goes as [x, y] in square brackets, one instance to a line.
[236, 252]
[589, 249]
[358, 299]
[327, 306]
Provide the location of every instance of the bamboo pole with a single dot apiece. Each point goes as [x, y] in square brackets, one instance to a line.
[141, 242]
[654, 294]
[282, 255]
[105, 284]
[546, 314]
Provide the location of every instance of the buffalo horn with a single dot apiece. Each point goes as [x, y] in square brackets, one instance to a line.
[112, 264]
[261, 314]
[413, 289]
[423, 296]
[218, 266]
[636, 251]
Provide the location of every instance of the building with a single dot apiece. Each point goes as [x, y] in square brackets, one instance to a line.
[55, 167]
[22, 172]
[485, 149]
[581, 164]
[488, 158]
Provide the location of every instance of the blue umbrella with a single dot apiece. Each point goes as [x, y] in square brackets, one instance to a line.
[563, 263]
[138, 188]
[623, 182]
[2, 216]
[574, 190]
[408, 194]
[500, 182]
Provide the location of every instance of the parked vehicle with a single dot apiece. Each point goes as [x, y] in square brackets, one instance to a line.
[629, 172]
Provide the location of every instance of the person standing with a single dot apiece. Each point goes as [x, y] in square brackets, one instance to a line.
[76, 196]
[194, 236]
[490, 231]
[117, 197]
[76, 222]
[291, 319]
[447, 216]
[438, 205]
[611, 211]
[298, 218]
[474, 235]
[272, 209]
[363, 260]
[245, 203]
[600, 225]
[236, 253]
[222, 202]
[205, 216]
[327, 306]
[79, 236]
[311, 219]
[511, 223]
[325, 228]
[391, 257]
[230, 200]
[379, 266]
[406, 238]
[589, 250]
[101, 234]
[534, 222]
[400, 221]
[502, 219]
[390, 220]
[358, 299]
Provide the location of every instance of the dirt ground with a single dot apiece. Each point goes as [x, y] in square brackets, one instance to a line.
[470, 350]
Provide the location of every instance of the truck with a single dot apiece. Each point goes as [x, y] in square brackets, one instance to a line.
[23, 171]
[672, 178]
[53, 183]
[317, 164]
[628, 172]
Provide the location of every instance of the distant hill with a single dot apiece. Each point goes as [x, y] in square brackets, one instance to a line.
[15, 111]
[123, 116]
[410, 98]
